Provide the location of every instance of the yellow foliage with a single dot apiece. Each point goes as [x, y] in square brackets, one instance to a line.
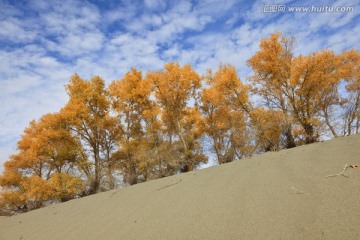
[35, 189]
[174, 88]
[224, 105]
[65, 186]
[305, 88]
[268, 126]
[88, 115]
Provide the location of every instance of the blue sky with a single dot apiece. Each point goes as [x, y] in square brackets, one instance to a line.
[42, 43]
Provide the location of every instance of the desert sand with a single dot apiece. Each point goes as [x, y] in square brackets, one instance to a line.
[277, 195]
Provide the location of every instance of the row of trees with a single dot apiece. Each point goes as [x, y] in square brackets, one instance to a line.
[147, 127]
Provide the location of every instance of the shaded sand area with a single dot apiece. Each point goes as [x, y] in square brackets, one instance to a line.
[282, 195]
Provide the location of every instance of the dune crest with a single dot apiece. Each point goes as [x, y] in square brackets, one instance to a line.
[277, 195]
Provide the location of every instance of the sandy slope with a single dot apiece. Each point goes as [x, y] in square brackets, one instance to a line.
[283, 195]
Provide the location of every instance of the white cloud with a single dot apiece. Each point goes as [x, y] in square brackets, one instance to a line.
[123, 12]
[11, 86]
[128, 45]
[344, 39]
[70, 28]
[177, 24]
[152, 20]
[216, 7]
[69, 16]
[155, 4]
[14, 30]
[75, 44]
[172, 52]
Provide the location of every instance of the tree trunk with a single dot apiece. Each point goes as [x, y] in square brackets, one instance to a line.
[217, 151]
[182, 139]
[96, 181]
[110, 179]
[329, 124]
[349, 127]
[133, 176]
[309, 134]
[187, 166]
[289, 138]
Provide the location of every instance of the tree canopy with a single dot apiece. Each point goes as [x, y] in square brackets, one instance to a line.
[153, 125]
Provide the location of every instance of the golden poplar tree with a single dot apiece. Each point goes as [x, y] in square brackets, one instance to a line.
[305, 88]
[271, 67]
[131, 102]
[175, 87]
[45, 169]
[314, 82]
[88, 115]
[225, 107]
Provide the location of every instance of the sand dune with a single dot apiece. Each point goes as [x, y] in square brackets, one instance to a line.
[282, 195]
